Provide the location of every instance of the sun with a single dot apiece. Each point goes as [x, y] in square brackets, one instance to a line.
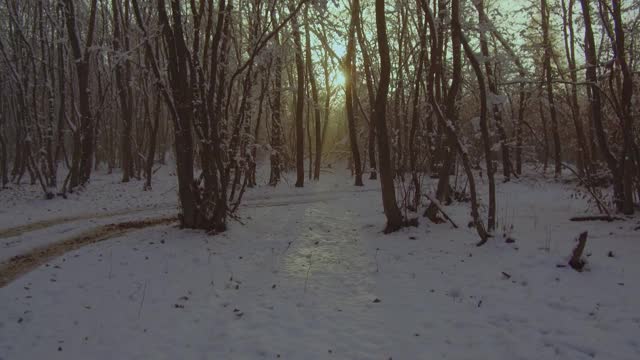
[339, 79]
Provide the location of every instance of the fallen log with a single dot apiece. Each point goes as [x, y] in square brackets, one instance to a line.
[596, 218]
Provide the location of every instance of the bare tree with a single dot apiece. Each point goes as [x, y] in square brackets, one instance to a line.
[350, 95]
[394, 217]
[299, 113]
[84, 136]
[548, 49]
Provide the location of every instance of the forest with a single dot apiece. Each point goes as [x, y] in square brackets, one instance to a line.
[305, 147]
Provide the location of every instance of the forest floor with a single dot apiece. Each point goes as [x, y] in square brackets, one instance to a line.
[311, 276]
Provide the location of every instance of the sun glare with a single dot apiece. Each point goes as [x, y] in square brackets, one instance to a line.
[338, 79]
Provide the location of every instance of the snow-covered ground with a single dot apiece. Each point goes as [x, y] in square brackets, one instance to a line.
[311, 276]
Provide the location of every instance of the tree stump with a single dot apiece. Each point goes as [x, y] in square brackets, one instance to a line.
[576, 261]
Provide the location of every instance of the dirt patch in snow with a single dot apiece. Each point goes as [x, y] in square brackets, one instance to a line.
[21, 229]
[22, 264]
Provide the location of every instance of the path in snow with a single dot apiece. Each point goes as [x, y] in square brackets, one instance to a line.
[251, 201]
[308, 272]
[24, 245]
[43, 224]
[23, 239]
[300, 281]
[23, 263]
[326, 275]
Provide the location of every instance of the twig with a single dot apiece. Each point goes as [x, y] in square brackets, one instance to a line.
[308, 270]
[172, 188]
[235, 217]
[590, 189]
[144, 293]
[110, 262]
[587, 185]
[288, 246]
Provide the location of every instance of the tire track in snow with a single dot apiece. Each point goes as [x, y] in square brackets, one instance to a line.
[43, 224]
[258, 201]
[22, 264]
[26, 261]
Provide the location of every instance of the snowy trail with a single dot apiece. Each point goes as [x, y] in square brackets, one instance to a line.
[18, 240]
[255, 201]
[43, 224]
[25, 262]
[26, 241]
[300, 282]
[326, 274]
[41, 234]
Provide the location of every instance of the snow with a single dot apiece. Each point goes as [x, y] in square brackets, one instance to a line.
[311, 276]
[25, 204]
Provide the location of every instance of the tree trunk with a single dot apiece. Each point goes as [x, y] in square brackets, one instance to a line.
[124, 91]
[316, 101]
[151, 151]
[299, 112]
[3, 159]
[394, 217]
[545, 133]
[549, 85]
[277, 149]
[62, 81]
[596, 106]
[85, 141]
[626, 162]
[350, 93]
[495, 107]
[484, 126]
[584, 158]
[521, 109]
[179, 100]
[448, 152]
[415, 122]
[366, 59]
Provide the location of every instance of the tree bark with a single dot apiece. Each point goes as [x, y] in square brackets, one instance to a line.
[448, 152]
[495, 107]
[584, 158]
[3, 158]
[277, 149]
[316, 102]
[596, 106]
[484, 126]
[349, 69]
[366, 59]
[85, 142]
[394, 217]
[299, 111]
[123, 89]
[549, 85]
[627, 161]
